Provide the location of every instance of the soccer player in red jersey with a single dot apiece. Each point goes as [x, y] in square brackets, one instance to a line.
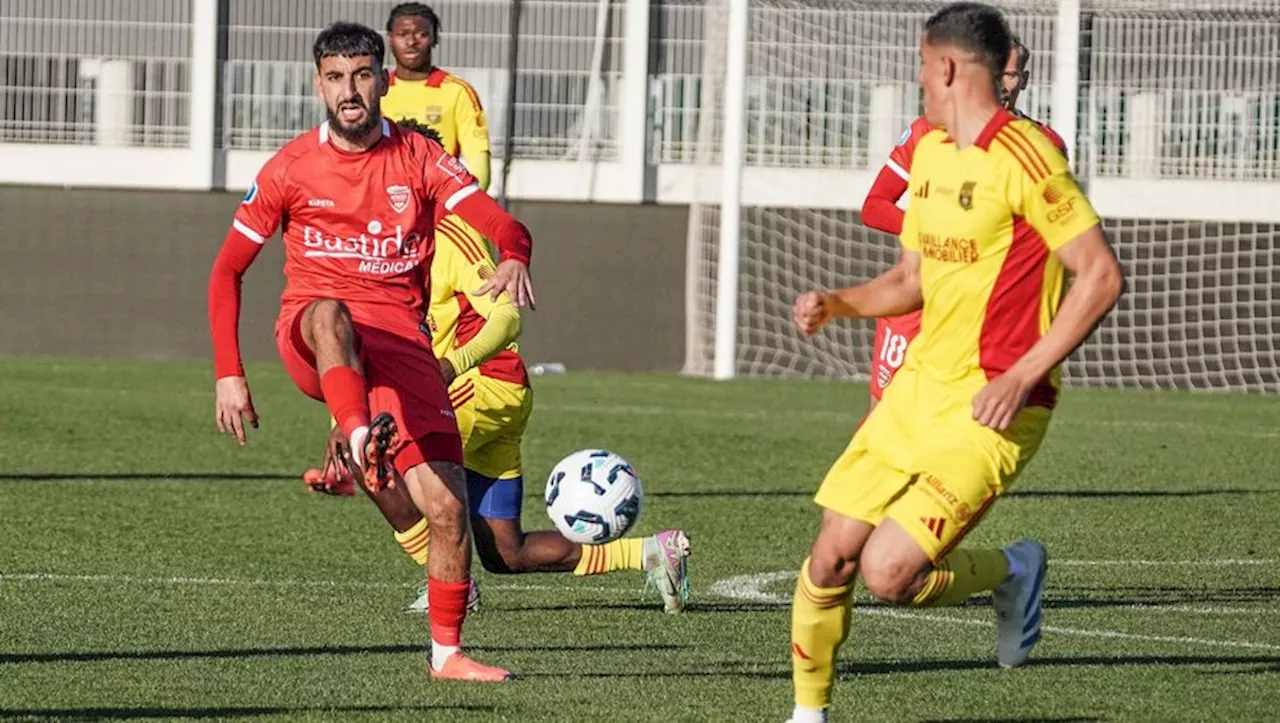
[358, 200]
[883, 211]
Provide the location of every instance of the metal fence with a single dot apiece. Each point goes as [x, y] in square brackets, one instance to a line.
[1168, 90]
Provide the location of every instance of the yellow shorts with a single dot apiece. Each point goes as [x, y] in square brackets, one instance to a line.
[492, 416]
[922, 461]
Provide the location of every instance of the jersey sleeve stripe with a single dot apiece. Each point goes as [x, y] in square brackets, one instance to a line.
[902, 172]
[465, 245]
[466, 240]
[247, 232]
[1025, 143]
[466, 88]
[459, 196]
[1017, 153]
[453, 235]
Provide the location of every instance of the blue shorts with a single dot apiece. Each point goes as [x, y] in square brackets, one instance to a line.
[494, 499]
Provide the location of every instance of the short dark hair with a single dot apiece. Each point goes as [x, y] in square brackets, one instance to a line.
[976, 28]
[417, 10]
[418, 127]
[349, 40]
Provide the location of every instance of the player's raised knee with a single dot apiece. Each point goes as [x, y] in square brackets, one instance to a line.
[329, 317]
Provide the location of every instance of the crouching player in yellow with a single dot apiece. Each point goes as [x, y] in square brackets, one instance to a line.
[995, 222]
[474, 336]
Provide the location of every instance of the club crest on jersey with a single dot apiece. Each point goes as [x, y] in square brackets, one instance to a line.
[966, 194]
[399, 197]
[434, 113]
[249, 195]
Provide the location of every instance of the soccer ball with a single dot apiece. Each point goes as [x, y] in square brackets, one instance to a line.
[593, 496]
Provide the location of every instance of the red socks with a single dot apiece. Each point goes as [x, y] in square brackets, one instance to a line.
[344, 394]
[448, 609]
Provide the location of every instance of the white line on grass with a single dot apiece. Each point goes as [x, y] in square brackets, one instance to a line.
[749, 588]
[248, 582]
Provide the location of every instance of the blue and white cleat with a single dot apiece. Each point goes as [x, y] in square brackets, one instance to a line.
[422, 604]
[665, 559]
[1018, 604]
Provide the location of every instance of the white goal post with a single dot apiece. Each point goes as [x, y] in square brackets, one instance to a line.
[1171, 110]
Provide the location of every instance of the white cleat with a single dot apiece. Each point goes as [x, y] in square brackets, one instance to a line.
[1018, 604]
[808, 715]
[665, 558]
[422, 604]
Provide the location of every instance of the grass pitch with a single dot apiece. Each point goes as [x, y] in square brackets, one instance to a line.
[150, 569]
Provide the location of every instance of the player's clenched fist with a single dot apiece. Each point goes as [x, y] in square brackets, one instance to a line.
[810, 312]
[234, 407]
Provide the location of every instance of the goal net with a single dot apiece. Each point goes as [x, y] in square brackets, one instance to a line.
[1177, 143]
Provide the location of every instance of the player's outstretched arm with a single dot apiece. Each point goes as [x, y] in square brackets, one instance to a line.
[233, 406]
[1098, 282]
[515, 246]
[896, 291]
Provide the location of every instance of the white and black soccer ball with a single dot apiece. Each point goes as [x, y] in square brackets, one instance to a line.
[594, 496]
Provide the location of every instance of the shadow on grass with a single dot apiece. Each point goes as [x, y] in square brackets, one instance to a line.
[150, 476]
[771, 670]
[1136, 494]
[113, 655]
[88, 714]
[674, 494]
[1159, 596]
[1010, 720]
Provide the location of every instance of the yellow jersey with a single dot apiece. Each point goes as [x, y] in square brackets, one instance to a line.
[986, 221]
[461, 265]
[446, 103]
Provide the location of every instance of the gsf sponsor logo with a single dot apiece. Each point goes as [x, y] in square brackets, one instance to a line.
[1062, 211]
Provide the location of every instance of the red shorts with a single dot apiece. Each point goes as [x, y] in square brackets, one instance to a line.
[402, 376]
[893, 335]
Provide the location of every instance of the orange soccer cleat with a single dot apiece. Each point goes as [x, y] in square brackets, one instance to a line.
[378, 450]
[460, 667]
[336, 474]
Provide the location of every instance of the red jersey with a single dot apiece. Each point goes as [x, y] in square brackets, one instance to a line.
[358, 227]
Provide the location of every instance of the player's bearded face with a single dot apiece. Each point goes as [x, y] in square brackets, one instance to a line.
[1014, 77]
[352, 91]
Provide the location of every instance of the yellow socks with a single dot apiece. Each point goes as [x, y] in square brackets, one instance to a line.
[414, 541]
[624, 554]
[961, 574]
[819, 624]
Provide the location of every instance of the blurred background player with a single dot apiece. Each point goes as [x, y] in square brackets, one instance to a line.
[431, 96]
[883, 211]
[995, 223]
[474, 337]
[350, 328]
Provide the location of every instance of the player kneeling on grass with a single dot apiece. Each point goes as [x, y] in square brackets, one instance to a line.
[995, 222]
[474, 335]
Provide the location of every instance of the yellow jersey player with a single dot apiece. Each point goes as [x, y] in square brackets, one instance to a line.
[995, 223]
[474, 337]
[422, 92]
